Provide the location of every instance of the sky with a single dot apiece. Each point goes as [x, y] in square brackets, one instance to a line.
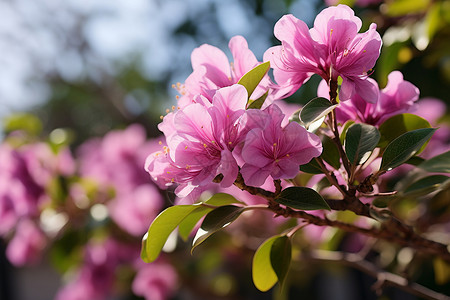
[77, 38]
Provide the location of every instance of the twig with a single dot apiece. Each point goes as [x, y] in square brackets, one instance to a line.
[383, 278]
[392, 230]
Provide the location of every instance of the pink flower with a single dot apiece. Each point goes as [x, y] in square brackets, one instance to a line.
[397, 97]
[212, 71]
[202, 141]
[332, 48]
[116, 160]
[134, 211]
[274, 150]
[27, 244]
[95, 278]
[155, 281]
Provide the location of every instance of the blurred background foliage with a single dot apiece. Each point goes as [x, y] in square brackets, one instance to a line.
[92, 66]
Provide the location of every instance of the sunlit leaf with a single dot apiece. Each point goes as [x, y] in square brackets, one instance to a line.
[258, 103]
[252, 78]
[264, 276]
[23, 121]
[404, 147]
[187, 225]
[301, 198]
[406, 7]
[360, 141]
[345, 129]
[160, 229]
[221, 199]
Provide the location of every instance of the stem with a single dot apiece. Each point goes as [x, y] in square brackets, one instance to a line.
[392, 230]
[334, 126]
[383, 278]
[330, 178]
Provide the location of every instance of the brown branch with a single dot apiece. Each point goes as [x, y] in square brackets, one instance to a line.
[383, 278]
[392, 230]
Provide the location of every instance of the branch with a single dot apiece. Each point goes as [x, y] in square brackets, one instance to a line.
[383, 278]
[392, 230]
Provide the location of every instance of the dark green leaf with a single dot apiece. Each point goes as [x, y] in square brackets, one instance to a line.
[382, 202]
[437, 164]
[216, 220]
[404, 147]
[219, 199]
[264, 277]
[398, 125]
[302, 198]
[258, 103]
[252, 78]
[415, 161]
[160, 229]
[426, 185]
[312, 167]
[280, 257]
[330, 152]
[315, 109]
[360, 141]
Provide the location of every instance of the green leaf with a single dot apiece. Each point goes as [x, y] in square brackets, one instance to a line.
[382, 202]
[437, 164]
[315, 109]
[302, 198]
[160, 229]
[187, 225]
[295, 117]
[280, 257]
[330, 152]
[215, 220]
[219, 199]
[345, 129]
[264, 277]
[312, 167]
[252, 78]
[398, 125]
[360, 141]
[415, 161]
[404, 147]
[23, 121]
[406, 7]
[425, 185]
[258, 103]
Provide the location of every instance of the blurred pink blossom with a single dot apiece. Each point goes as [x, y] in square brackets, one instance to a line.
[27, 244]
[156, 281]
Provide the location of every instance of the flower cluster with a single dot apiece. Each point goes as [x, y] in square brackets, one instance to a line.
[213, 132]
[46, 194]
